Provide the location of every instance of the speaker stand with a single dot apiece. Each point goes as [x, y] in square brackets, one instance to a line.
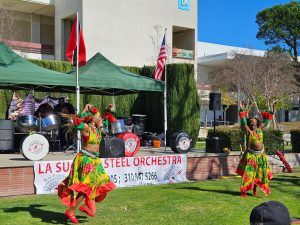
[214, 123]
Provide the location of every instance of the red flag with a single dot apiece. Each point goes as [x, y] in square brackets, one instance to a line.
[72, 46]
[161, 60]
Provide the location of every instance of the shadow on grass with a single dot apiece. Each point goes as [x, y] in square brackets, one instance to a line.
[287, 179]
[234, 193]
[45, 215]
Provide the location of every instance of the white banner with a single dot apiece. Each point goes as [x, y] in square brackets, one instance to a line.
[143, 170]
[48, 174]
[124, 172]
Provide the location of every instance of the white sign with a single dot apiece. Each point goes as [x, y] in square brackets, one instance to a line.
[48, 174]
[124, 172]
[184, 5]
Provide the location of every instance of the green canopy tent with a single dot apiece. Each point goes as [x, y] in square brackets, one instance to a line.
[18, 73]
[98, 76]
[101, 76]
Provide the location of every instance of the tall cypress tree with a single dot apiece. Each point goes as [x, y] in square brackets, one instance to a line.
[183, 102]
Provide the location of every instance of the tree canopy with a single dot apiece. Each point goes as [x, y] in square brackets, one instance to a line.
[269, 80]
[279, 26]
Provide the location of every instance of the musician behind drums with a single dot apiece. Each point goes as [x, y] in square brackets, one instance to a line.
[87, 180]
[44, 110]
[64, 107]
[109, 116]
[61, 108]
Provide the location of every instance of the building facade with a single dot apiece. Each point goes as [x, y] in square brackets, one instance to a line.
[127, 32]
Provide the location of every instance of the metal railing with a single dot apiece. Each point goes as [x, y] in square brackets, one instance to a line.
[30, 47]
[210, 123]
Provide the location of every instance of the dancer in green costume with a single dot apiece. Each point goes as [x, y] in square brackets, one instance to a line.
[87, 180]
[253, 166]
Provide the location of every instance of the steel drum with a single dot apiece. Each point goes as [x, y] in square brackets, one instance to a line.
[27, 123]
[50, 122]
[105, 129]
[34, 147]
[132, 143]
[118, 127]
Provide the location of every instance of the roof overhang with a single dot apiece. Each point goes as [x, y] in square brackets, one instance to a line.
[215, 60]
[40, 7]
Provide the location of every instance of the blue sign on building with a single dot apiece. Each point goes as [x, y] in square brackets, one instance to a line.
[184, 4]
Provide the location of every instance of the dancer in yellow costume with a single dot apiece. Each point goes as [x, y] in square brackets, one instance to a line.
[87, 179]
[253, 166]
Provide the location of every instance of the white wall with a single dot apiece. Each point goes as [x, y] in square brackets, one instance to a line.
[121, 29]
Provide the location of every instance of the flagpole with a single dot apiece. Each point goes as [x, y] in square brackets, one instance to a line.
[165, 97]
[77, 79]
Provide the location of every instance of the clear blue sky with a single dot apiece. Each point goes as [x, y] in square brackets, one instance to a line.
[232, 22]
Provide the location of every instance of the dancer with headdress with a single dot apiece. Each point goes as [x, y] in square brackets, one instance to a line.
[87, 180]
[253, 166]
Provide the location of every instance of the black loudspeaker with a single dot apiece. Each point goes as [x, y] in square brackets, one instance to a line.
[214, 144]
[112, 147]
[214, 101]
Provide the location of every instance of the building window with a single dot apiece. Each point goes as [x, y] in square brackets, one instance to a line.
[183, 43]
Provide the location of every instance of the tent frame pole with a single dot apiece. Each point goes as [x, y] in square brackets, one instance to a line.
[77, 80]
[165, 98]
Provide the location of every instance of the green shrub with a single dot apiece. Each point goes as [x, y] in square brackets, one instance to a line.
[273, 140]
[295, 139]
[59, 66]
[233, 138]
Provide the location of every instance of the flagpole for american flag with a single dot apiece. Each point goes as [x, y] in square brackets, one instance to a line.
[165, 97]
[77, 78]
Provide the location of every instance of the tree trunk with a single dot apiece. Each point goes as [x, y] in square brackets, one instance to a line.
[274, 123]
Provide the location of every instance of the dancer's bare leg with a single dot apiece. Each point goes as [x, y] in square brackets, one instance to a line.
[70, 212]
[72, 209]
[91, 204]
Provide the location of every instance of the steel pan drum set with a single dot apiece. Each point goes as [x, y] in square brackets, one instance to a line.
[123, 128]
[35, 145]
[41, 131]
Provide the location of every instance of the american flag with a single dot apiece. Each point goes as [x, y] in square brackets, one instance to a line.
[161, 61]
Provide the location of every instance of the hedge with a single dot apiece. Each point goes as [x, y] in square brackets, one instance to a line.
[295, 139]
[233, 138]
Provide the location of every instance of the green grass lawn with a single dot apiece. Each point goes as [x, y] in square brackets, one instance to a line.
[203, 202]
[200, 145]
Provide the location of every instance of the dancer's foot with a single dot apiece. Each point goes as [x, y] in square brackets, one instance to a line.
[243, 194]
[86, 210]
[91, 205]
[254, 190]
[71, 217]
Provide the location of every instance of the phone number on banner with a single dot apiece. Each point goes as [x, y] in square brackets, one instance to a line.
[128, 179]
